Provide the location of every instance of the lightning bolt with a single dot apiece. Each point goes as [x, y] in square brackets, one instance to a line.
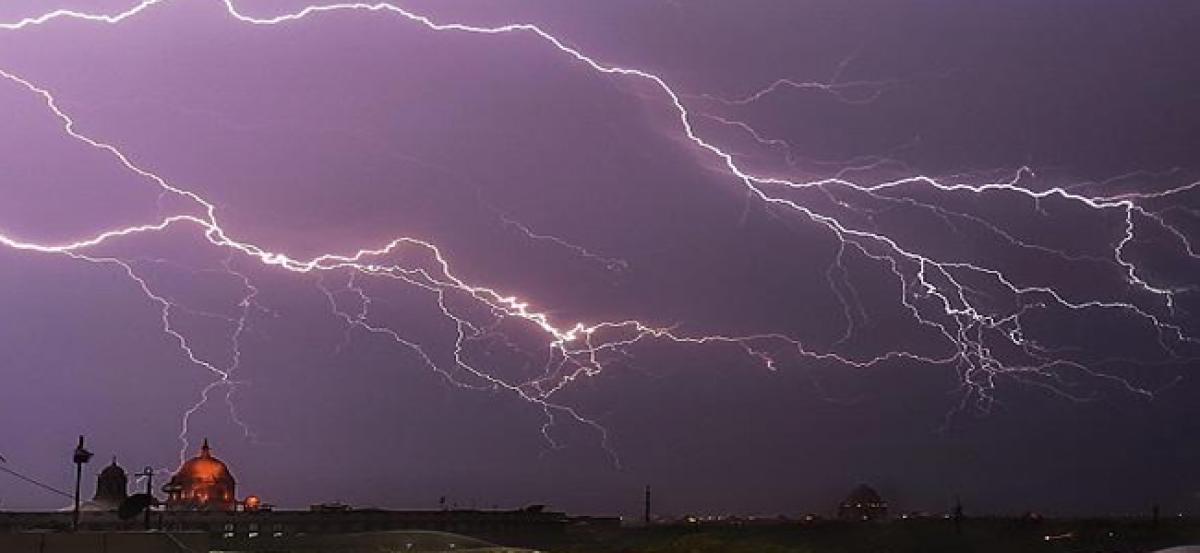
[943, 295]
[851, 92]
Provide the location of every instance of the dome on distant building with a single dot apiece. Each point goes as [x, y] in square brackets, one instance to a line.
[111, 489]
[863, 503]
[203, 483]
[864, 494]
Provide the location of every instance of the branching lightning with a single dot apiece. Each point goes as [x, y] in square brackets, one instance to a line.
[939, 294]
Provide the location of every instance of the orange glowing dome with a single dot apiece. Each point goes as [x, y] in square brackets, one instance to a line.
[202, 483]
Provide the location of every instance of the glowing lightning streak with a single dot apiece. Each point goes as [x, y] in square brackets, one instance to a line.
[933, 278]
[509, 305]
[506, 304]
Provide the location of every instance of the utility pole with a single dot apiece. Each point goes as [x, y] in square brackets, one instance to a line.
[646, 513]
[81, 457]
[958, 515]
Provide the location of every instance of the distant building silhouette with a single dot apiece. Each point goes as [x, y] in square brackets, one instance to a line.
[203, 483]
[111, 489]
[864, 503]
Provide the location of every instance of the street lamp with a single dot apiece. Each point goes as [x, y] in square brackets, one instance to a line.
[148, 474]
[81, 457]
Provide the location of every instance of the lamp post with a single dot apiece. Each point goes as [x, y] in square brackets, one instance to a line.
[646, 513]
[148, 474]
[81, 457]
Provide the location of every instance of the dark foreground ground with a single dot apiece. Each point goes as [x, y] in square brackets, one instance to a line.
[899, 536]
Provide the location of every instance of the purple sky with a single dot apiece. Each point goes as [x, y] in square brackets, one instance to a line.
[830, 322]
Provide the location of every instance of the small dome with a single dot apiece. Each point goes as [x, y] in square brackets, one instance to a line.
[111, 488]
[863, 503]
[113, 470]
[864, 494]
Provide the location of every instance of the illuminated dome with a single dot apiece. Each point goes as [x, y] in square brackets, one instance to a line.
[203, 483]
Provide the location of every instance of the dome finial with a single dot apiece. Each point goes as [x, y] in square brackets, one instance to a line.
[204, 449]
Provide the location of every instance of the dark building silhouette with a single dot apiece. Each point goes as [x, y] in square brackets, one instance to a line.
[203, 483]
[111, 489]
[864, 503]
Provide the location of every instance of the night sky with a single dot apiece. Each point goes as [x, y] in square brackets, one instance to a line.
[948, 248]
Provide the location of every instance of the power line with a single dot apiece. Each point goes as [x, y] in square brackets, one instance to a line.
[33, 481]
